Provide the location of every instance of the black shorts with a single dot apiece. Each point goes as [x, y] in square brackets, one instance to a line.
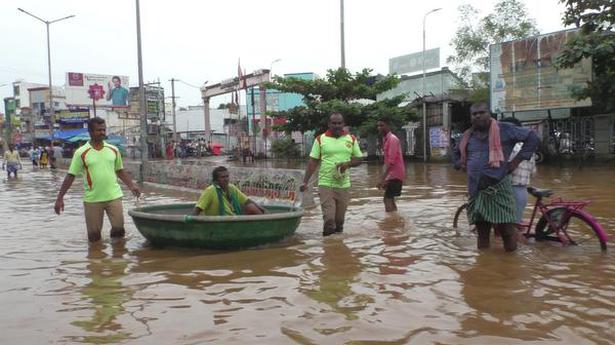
[393, 189]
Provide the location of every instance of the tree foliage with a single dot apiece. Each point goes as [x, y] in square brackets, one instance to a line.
[508, 21]
[596, 41]
[352, 95]
[285, 147]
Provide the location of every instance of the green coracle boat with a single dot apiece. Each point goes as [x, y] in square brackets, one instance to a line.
[170, 225]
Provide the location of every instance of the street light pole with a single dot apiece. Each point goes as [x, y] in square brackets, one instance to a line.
[342, 44]
[423, 87]
[47, 23]
[271, 67]
[144, 153]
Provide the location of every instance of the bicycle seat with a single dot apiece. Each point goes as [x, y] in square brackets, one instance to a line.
[539, 193]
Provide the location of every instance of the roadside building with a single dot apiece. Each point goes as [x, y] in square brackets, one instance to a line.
[525, 84]
[446, 110]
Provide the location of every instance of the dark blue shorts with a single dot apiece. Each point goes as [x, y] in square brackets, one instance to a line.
[393, 189]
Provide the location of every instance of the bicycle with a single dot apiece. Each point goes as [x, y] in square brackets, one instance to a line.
[562, 221]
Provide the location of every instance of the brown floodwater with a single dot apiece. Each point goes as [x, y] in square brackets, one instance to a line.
[407, 278]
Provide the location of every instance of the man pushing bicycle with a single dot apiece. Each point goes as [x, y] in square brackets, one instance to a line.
[482, 152]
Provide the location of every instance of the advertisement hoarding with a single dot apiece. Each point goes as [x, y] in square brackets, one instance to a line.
[523, 76]
[115, 89]
[414, 62]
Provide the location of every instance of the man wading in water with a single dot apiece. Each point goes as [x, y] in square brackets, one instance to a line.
[101, 165]
[336, 151]
[481, 153]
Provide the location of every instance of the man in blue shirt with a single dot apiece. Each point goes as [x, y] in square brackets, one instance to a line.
[482, 153]
[117, 93]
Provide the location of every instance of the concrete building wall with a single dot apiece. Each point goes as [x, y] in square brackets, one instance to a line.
[21, 94]
[266, 185]
[436, 83]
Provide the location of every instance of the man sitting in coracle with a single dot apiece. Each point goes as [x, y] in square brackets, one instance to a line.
[223, 198]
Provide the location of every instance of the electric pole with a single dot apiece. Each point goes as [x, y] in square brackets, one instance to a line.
[142, 103]
[173, 80]
[342, 43]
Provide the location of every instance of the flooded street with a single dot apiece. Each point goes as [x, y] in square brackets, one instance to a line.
[408, 278]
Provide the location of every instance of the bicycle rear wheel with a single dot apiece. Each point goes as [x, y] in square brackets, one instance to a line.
[579, 230]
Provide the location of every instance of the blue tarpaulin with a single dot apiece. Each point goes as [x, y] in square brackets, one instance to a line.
[64, 135]
[112, 139]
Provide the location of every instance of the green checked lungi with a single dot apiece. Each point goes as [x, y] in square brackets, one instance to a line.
[494, 204]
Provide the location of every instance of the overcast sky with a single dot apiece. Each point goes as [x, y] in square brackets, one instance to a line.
[197, 41]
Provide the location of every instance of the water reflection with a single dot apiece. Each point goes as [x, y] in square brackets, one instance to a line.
[499, 291]
[105, 295]
[389, 279]
[336, 272]
[395, 235]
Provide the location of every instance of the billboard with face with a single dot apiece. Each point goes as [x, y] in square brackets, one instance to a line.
[115, 89]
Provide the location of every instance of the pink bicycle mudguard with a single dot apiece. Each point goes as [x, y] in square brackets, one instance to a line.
[599, 229]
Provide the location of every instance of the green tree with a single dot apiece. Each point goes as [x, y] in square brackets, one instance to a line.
[508, 21]
[285, 147]
[353, 95]
[596, 41]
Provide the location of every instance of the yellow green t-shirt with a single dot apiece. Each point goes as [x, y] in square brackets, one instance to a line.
[208, 201]
[98, 168]
[331, 151]
[11, 157]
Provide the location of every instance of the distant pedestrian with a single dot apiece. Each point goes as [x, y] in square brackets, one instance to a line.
[335, 151]
[34, 154]
[12, 161]
[101, 165]
[482, 153]
[56, 153]
[44, 158]
[169, 150]
[520, 177]
[394, 171]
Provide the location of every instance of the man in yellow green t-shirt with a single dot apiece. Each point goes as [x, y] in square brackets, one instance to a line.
[222, 198]
[12, 162]
[101, 165]
[336, 151]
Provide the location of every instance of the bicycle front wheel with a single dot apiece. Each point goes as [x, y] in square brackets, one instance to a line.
[461, 217]
[578, 229]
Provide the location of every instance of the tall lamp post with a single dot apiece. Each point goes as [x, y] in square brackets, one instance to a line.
[342, 43]
[47, 23]
[142, 105]
[271, 67]
[423, 87]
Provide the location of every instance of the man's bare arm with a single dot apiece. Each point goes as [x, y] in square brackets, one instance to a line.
[68, 181]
